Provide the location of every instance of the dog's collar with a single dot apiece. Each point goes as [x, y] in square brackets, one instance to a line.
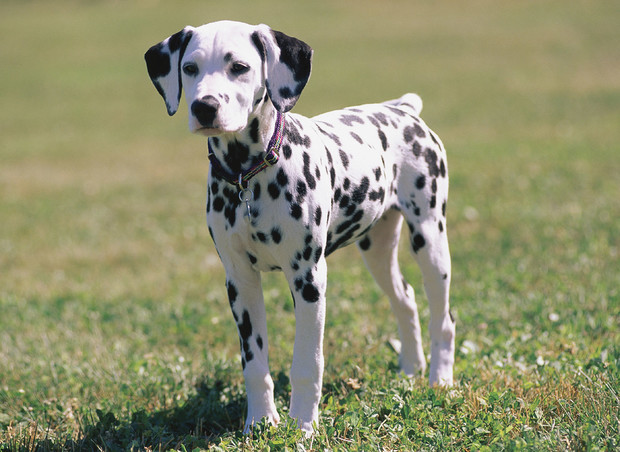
[271, 157]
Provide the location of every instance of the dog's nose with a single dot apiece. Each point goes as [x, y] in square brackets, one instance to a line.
[205, 110]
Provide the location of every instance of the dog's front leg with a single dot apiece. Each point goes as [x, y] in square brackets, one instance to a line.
[308, 288]
[246, 301]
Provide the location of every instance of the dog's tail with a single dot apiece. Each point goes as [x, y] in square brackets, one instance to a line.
[409, 101]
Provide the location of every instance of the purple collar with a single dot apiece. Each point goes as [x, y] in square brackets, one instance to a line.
[271, 158]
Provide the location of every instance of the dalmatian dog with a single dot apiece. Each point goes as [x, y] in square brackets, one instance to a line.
[285, 191]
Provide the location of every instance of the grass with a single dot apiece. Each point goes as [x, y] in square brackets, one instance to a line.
[115, 332]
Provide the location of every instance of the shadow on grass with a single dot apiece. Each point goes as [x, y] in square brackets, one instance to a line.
[201, 420]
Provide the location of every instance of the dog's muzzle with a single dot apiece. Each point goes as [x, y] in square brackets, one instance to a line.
[205, 111]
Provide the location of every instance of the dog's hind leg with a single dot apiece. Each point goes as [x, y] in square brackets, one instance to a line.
[429, 244]
[380, 252]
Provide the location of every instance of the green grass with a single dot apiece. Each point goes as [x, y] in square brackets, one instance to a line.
[115, 332]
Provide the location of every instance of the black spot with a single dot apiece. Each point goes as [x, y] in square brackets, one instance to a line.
[343, 239]
[377, 195]
[434, 185]
[357, 138]
[332, 136]
[381, 118]
[443, 208]
[408, 134]
[431, 159]
[293, 134]
[245, 331]
[245, 328]
[364, 244]
[359, 194]
[433, 202]
[274, 190]
[442, 168]
[383, 139]
[259, 342]
[301, 191]
[310, 180]
[418, 242]
[307, 253]
[286, 151]
[218, 204]
[317, 254]
[230, 207]
[378, 173]
[418, 131]
[347, 225]
[286, 92]
[417, 149]
[420, 182]
[318, 213]
[237, 155]
[397, 111]
[440, 226]
[348, 120]
[299, 283]
[296, 211]
[276, 235]
[254, 130]
[252, 258]
[344, 158]
[282, 178]
[262, 237]
[232, 292]
[310, 293]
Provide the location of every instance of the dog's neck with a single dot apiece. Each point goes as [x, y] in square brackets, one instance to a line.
[237, 152]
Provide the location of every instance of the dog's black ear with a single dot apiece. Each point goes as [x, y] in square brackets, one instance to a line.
[163, 64]
[288, 63]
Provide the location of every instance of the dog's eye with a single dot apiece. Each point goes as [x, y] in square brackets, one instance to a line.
[190, 69]
[239, 68]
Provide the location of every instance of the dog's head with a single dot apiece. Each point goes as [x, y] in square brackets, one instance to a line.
[227, 70]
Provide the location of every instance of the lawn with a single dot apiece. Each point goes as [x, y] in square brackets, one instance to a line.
[115, 330]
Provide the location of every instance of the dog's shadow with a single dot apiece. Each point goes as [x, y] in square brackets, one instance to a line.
[216, 409]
